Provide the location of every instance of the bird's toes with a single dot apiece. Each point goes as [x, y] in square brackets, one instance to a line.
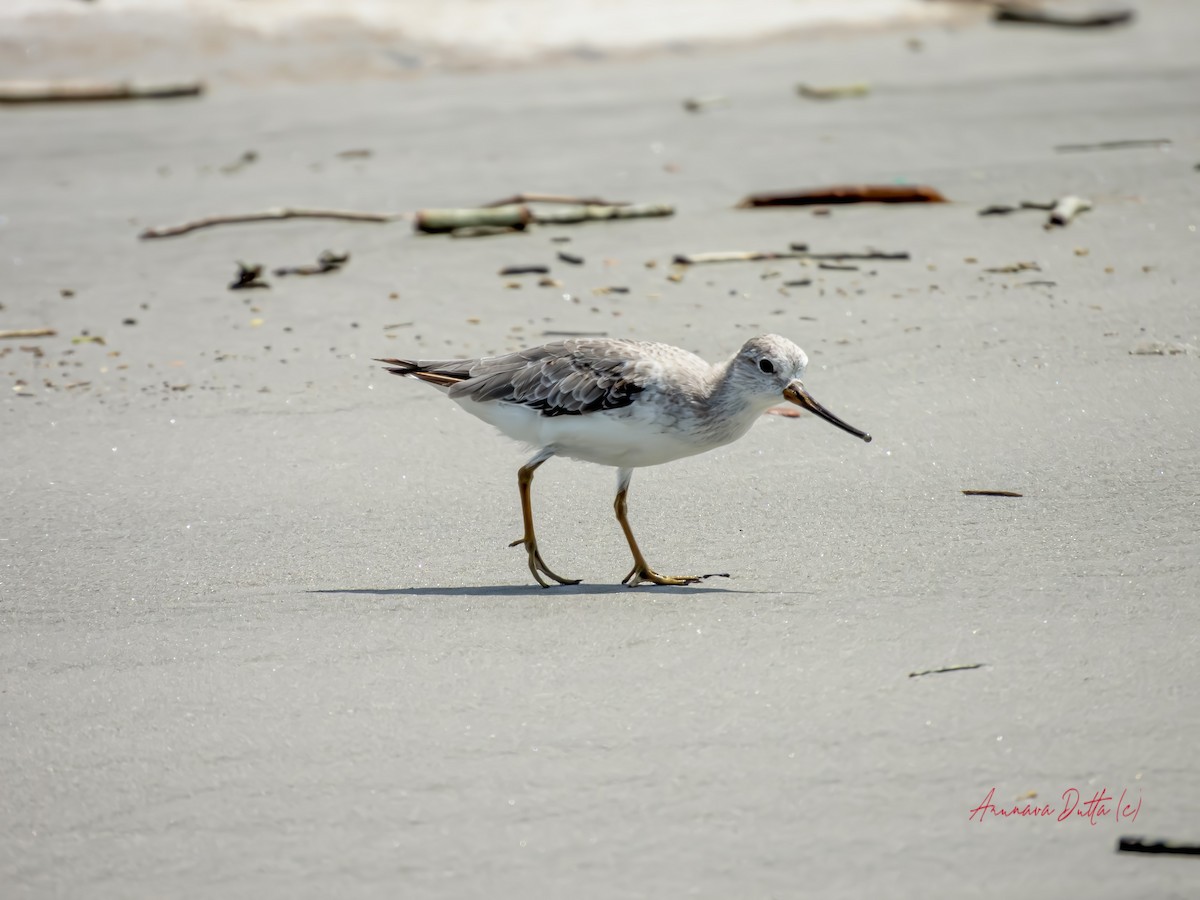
[648, 576]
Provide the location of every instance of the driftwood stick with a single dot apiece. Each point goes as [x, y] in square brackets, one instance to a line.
[435, 221]
[28, 333]
[267, 216]
[76, 90]
[555, 198]
[847, 193]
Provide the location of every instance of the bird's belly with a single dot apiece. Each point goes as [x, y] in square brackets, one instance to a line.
[616, 441]
[609, 438]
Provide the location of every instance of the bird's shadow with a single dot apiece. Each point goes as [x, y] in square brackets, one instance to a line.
[533, 590]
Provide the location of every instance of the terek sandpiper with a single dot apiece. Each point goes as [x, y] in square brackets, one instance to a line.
[619, 403]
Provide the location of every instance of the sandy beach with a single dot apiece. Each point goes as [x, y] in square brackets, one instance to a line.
[261, 633]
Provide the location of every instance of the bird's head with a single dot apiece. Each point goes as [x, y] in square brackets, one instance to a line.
[772, 366]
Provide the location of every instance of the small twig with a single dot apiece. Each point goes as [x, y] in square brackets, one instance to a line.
[869, 254]
[555, 198]
[28, 333]
[988, 493]
[961, 668]
[850, 193]
[570, 258]
[1027, 15]
[268, 216]
[1112, 145]
[833, 92]
[1004, 210]
[82, 90]
[837, 268]
[524, 270]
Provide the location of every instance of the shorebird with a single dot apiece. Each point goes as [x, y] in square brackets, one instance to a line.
[625, 404]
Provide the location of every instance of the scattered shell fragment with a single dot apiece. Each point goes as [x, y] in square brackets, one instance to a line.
[1066, 209]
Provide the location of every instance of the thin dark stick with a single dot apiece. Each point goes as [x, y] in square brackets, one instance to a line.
[1141, 845]
[1112, 145]
[961, 668]
[266, 216]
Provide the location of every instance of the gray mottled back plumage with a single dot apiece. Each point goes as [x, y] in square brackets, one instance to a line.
[564, 378]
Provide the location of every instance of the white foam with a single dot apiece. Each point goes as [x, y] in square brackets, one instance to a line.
[515, 29]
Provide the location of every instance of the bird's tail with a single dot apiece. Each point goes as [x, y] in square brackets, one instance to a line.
[401, 366]
[429, 372]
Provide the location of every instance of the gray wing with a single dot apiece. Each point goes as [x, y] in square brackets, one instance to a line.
[566, 378]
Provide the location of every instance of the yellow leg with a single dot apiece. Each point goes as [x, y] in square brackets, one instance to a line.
[641, 571]
[536, 564]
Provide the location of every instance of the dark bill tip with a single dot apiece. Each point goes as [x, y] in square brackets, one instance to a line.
[795, 393]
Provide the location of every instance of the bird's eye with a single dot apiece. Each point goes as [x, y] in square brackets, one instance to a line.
[767, 366]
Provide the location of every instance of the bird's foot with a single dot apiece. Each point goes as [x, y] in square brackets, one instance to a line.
[641, 573]
[538, 566]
